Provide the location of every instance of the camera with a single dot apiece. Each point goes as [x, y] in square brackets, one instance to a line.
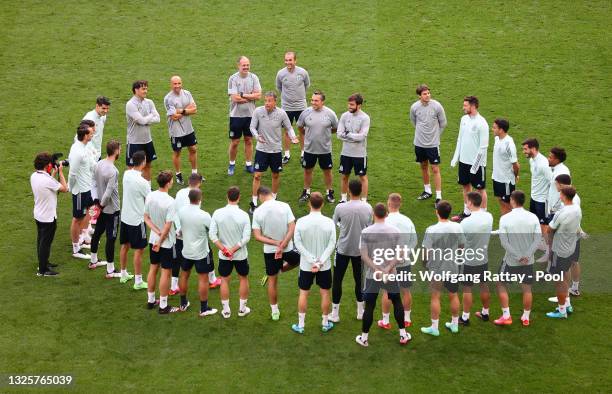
[55, 160]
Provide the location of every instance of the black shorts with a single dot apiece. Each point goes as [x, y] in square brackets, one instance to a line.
[359, 164]
[310, 159]
[264, 159]
[226, 266]
[202, 266]
[474, 270]
[273, 266]
[81, 203]
[503, 190]
[527, 270]
[372, 286]
[558, 264]
[427, 154]
[293, 115]
[539, 209]
[148, 149]
[136, 236]
[165, 256]
[306, 278]
[239, 127]
[477, 180]
[180, 142]
[403, 271]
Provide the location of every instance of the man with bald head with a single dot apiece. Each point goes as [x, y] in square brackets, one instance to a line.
[292, 82]
[244, 90]
[180, 107]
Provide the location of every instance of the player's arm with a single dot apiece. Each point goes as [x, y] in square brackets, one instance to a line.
[154, 114]
[363, 134]
[191, 108]
[455, 158]
[253, 127]
[331, 245]
[132, 112]
[232, 91]
[151, 225]
[263, 239]
[442, 122]
[62, 181]
[334, 122]
[171, 111]
[535, 240]
[256, 93]
[299, 245]
[246, 236]
[164, 233]
[412, 116]
[481, 156]
[108, 192]
[289, 129]
[279, 83]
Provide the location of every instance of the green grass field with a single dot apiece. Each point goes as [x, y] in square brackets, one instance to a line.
[544, 65]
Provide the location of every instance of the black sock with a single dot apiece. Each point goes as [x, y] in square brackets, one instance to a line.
[184, 299]
[203, 306]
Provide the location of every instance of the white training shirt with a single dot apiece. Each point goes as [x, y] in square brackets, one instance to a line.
[408, 236]
[45, 188]
[566, 222]
[520, 235]
[553, 200]
[477, 230]
[82, 165]
[180, 200]
[160, 208]
[231, 226]
[472, 141]
[443, 236]
[504, 155]
[540, 177]
[195, 224]
[273, 218]
[135, 191]
[315, 239]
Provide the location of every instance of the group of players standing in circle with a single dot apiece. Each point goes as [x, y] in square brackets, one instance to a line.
[180, 231]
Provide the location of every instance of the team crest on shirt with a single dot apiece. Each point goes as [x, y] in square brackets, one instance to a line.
[299, 78]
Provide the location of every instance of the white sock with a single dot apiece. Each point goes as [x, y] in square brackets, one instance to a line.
[427, 188]
[288, 153]
[360, 307]
[344, 196]
[525, 314]
[386, 318]
[407, 315]
[402, 332]
[212, 278]
[110, 268]
[233, 163]
[163, 302]
[325, 320]
[124, 273]
[178, 173]
[94, 258]
[301, 318]
[465, 315]
[434, 323]
[254, 199]
[454, 320]
[225, 304]
[575, 285]
[506, 312]
[274, 308]
[274, 196]
[308, 190]
[438, 194]
[137, 279]
[484, 311]
[151, 296]
[174, 284]
[567, 301]
[364, 336]
[248, 163]
[466, 210]
[562, 309]
[194, 170]
[335, 310]
[302, 153]
[75, 247]
[242, 304]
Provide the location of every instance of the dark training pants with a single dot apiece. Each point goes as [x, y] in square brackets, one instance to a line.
[370, 304]
[46, 233]
[107, 223]
[342, 263]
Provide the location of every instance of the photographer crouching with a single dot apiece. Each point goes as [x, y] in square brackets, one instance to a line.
[45, 188]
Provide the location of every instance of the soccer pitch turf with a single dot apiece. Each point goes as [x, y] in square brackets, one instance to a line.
[545, 66]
